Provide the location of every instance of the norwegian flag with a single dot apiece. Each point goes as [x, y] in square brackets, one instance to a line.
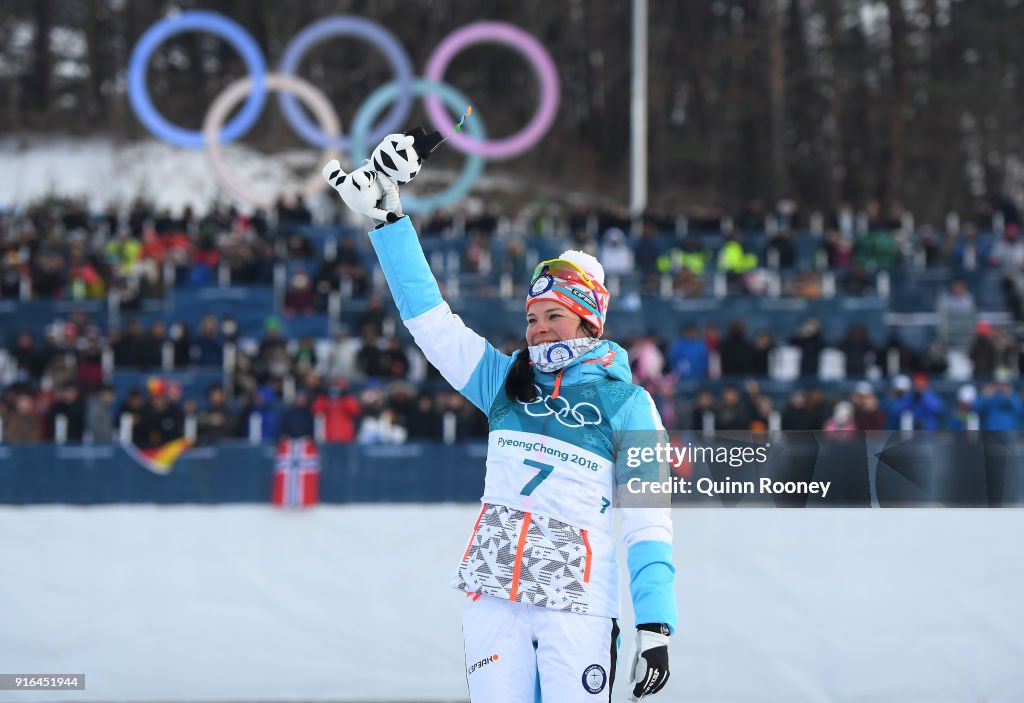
[296, 473]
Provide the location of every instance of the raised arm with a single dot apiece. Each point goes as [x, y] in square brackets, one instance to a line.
[465, 359]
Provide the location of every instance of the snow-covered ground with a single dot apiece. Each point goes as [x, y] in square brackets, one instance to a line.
[351, 603]
[102, 171]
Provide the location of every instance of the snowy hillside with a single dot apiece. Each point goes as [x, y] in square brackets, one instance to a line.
[103, 171]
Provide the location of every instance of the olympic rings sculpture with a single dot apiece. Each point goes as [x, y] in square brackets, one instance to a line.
[327, 135]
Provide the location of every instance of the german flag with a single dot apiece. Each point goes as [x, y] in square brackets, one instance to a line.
[160, 460]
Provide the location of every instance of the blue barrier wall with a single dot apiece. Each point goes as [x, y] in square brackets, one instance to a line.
[239, 473]
[879, 469]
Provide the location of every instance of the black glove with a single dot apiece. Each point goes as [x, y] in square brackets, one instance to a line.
[649, 672]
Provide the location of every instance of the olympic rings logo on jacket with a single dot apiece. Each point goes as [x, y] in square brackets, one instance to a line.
[327, 135]
[569, 415]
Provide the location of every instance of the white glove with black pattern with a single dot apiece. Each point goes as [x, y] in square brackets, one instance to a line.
[649, 672]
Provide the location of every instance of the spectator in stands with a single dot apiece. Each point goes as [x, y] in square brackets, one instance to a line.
[292, 210]
[298, 248]
[377, 425]
[841, 424]
[124, 252]
[926, 406]
[381, 429]
[263, 404]
[761, 414]
[89, 363]
[899, 400]
[10, 275]
[133, 405]
[48, 274]
[818, 409]
[858, 350]
[934, 360]
[394, 361]
[469, 423]
[99, 415]
[229, 329]
[70, 405]
[735, 352]
[898, 352]
[375, 315]
[712, 336]
[1006, 348]
[761, 353]
[780, 251]
[838, 250]
[341, 359]
[805, 284]
[402, 399]
[795, 414]
[999, 408]
[298, 298]
[297, 419]
[731, 413]
[703, 409]
[736, 262]
[340, 409]
[424, 422]
[646, 361]
[206, 349]
[27, 356]
[867, 415]
[968, 251]
[304, 359]
[876, 250]
[752, 217]
[810, 341]
[370, 359]
[669, 404]
[58, 371]
[983, 353]
[960, 415]
[273, 358]
[217, 421]
[84, 281]
[689, 355]
[181, 344]
[127, 345]
[475, 254]
[645, 257]
[857, 281]
[513, 261]
[1008, 253]
[151, 346]
[23, 424]
[616, 256]
[956, 315]
[686, 264]
[350, 267]
[162, 420]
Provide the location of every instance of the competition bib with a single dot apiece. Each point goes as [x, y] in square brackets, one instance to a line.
[550, 477]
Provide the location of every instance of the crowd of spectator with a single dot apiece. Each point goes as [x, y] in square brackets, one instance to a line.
[58, 250]
[373, 387]
[368, 385]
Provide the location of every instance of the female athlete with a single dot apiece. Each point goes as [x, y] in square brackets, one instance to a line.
[539, 570]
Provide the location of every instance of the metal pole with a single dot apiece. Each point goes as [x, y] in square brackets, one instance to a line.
[638, 113]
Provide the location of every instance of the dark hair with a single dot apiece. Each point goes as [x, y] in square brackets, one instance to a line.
[520, 380]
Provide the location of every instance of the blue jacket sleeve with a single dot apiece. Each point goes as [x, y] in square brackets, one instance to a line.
[647, 520]
[465, 359]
